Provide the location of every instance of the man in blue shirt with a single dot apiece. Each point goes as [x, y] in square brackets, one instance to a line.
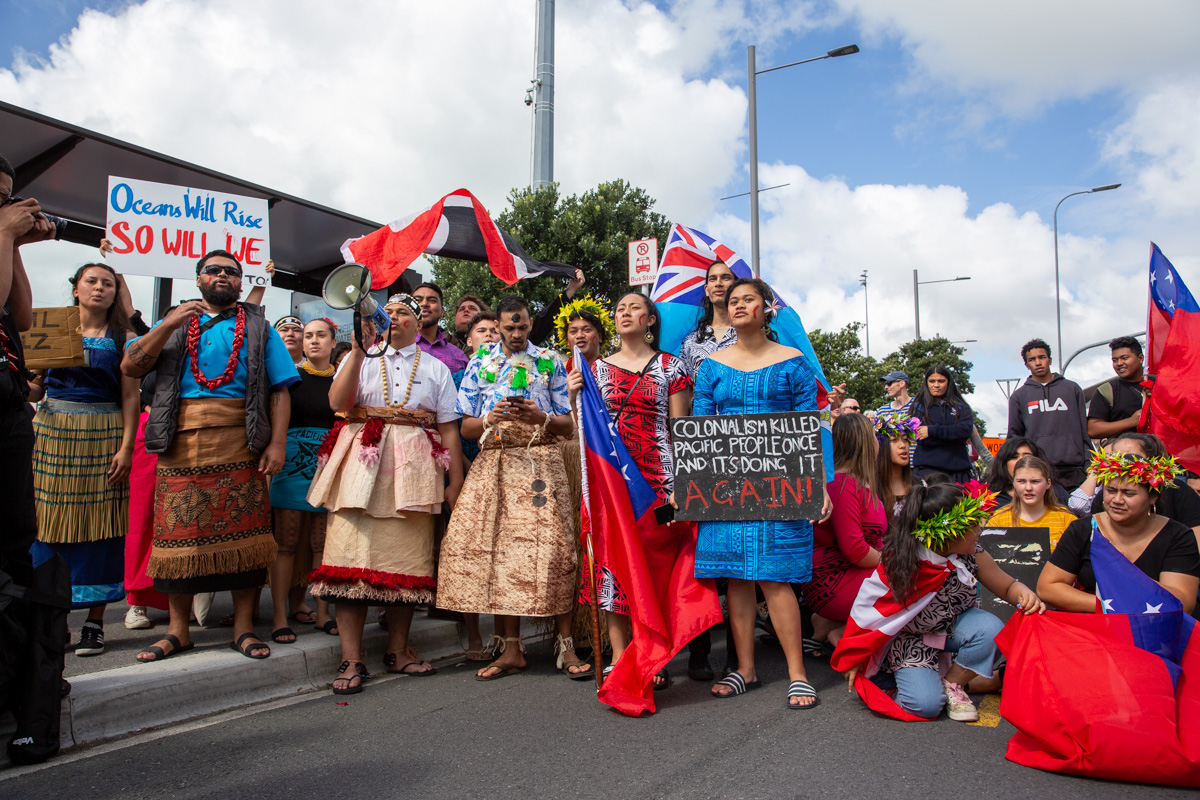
[219, 422]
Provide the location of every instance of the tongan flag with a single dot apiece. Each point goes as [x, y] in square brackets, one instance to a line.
[1173, 358]
[1110, 695]
[679, 294]
[875, 619]
[457, 226]
[654, 564]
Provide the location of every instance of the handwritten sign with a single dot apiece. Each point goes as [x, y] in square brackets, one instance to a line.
[749, 466]
[162, 230]
[1021, 552]
[54, 340]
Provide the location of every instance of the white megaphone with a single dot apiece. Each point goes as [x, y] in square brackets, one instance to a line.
[349, 286]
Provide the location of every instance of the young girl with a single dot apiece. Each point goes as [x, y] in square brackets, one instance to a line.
[1034, 502]
[893, 475]
[926, 589]
[946, 424]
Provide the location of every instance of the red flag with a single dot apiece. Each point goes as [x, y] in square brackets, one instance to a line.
[456, 226]
[1086, 700]
[654, 564]
[1174, 414]
[875, 620]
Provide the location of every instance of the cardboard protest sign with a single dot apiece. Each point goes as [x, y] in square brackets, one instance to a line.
[749, 466]
[1021, 552]
[161, 230]
[54, 340]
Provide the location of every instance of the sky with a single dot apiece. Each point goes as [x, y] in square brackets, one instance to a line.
[943, 146]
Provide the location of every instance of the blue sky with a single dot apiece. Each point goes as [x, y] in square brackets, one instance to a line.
[943, 146]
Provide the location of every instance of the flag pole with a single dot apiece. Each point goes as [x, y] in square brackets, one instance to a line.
[597, 647]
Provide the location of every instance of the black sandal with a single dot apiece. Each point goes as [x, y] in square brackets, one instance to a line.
[351, 687]
[330, 627]
[159, 654]
[246, 650]
[666, 680]
[285, 631]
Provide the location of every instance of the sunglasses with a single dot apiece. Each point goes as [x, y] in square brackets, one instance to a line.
[217, 269]
[852, 408]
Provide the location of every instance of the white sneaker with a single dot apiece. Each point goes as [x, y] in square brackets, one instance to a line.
[136, 619]
[958, 703]
[201, 604]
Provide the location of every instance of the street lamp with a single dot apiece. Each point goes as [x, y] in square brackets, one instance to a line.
[917, 296]
[751, 72]
[1057, 300]
[866, 312]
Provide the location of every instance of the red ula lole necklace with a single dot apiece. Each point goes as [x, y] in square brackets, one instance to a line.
[193, 344]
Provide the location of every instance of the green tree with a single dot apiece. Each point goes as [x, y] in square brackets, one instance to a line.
[841, 356]
[591, 231]
[915, 357]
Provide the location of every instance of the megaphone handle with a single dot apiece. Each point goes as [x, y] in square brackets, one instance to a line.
[358, 337]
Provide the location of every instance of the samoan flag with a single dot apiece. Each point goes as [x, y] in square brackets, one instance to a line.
[1173, 358]
[1110, 695]
[654, 564]
[679, 294]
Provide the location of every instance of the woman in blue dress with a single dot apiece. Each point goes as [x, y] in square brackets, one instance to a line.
[753, 376]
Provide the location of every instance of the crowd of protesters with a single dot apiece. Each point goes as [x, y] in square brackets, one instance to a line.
[443, 473]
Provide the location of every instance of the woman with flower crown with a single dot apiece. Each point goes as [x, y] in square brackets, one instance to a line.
[917, 626]
[1162, 548]
[846, 546]
[381, 475]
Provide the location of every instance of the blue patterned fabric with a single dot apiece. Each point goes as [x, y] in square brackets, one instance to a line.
[97, 569]
[755, 550]
[477, 396]
[289, 489]
[97, 382]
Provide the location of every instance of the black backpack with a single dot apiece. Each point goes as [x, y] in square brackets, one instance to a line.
[33, 634]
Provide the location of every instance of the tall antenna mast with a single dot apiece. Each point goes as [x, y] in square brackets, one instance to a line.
[541, 96]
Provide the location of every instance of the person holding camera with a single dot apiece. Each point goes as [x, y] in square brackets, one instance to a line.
[218, 422]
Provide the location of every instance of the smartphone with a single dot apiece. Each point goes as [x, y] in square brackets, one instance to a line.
[664, 514]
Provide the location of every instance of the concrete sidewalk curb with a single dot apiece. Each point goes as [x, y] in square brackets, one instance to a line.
[116, 702]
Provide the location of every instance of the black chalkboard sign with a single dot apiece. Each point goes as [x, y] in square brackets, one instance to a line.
[1021, 552]
[749, 466]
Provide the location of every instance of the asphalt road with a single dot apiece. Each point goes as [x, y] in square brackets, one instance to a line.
[540, 735]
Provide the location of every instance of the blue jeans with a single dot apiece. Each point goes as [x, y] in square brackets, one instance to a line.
[919, 689]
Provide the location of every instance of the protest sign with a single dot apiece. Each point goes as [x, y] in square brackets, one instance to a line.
[54, 340]
[1021, 552]
[749, 466]
[162, 230]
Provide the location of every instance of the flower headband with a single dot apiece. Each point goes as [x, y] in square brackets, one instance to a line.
[583, 305]
[405, 299]
[888, 426]
[1153, 472]
[948, 525]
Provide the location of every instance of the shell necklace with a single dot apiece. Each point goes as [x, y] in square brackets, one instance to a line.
[387, 400]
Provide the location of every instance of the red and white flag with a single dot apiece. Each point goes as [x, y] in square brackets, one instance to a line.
[875, 620]
[457, 226]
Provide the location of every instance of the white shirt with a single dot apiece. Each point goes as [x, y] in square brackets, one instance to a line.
[432, 388]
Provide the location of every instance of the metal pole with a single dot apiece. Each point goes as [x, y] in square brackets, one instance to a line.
[1057, 298]
[162, 297]
[543, 107]
[916, 304]
[866, 314]
[750, 93]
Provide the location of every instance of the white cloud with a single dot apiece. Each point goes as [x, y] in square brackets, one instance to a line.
[1029, 52]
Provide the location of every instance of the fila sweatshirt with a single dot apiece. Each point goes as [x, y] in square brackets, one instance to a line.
[1054, 416]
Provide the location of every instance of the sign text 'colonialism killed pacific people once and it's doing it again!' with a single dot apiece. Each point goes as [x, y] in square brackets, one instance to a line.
[749, 466]
[162, 230]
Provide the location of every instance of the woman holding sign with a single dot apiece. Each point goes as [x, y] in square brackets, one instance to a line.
[752, 376]
[85, 431]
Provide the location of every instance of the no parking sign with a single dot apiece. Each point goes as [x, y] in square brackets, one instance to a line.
[643, 261]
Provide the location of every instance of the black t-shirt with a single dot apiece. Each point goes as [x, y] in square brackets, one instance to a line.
[310, 402]
[13, 386]
[1173, 549]
[1178, 501]
[1127, 401]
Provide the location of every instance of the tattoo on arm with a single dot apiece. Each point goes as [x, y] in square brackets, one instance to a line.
[140, 358]
[275, 397]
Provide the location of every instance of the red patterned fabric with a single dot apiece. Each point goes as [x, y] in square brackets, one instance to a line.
[380, 580]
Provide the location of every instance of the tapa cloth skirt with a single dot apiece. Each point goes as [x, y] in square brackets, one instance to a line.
[509, 547]
[379, 536]
[212, 516]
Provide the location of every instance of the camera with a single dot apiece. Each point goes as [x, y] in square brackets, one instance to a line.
[60, 224]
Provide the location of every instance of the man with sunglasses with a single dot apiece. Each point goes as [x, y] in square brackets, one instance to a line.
[219, 423]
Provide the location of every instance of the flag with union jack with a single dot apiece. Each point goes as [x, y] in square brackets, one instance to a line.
[679, 294]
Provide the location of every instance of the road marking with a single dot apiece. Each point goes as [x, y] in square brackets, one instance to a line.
[989, 712]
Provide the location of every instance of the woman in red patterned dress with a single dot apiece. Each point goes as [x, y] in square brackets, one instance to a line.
[642, 387]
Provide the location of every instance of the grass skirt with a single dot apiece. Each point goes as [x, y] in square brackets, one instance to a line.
[74, 445]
